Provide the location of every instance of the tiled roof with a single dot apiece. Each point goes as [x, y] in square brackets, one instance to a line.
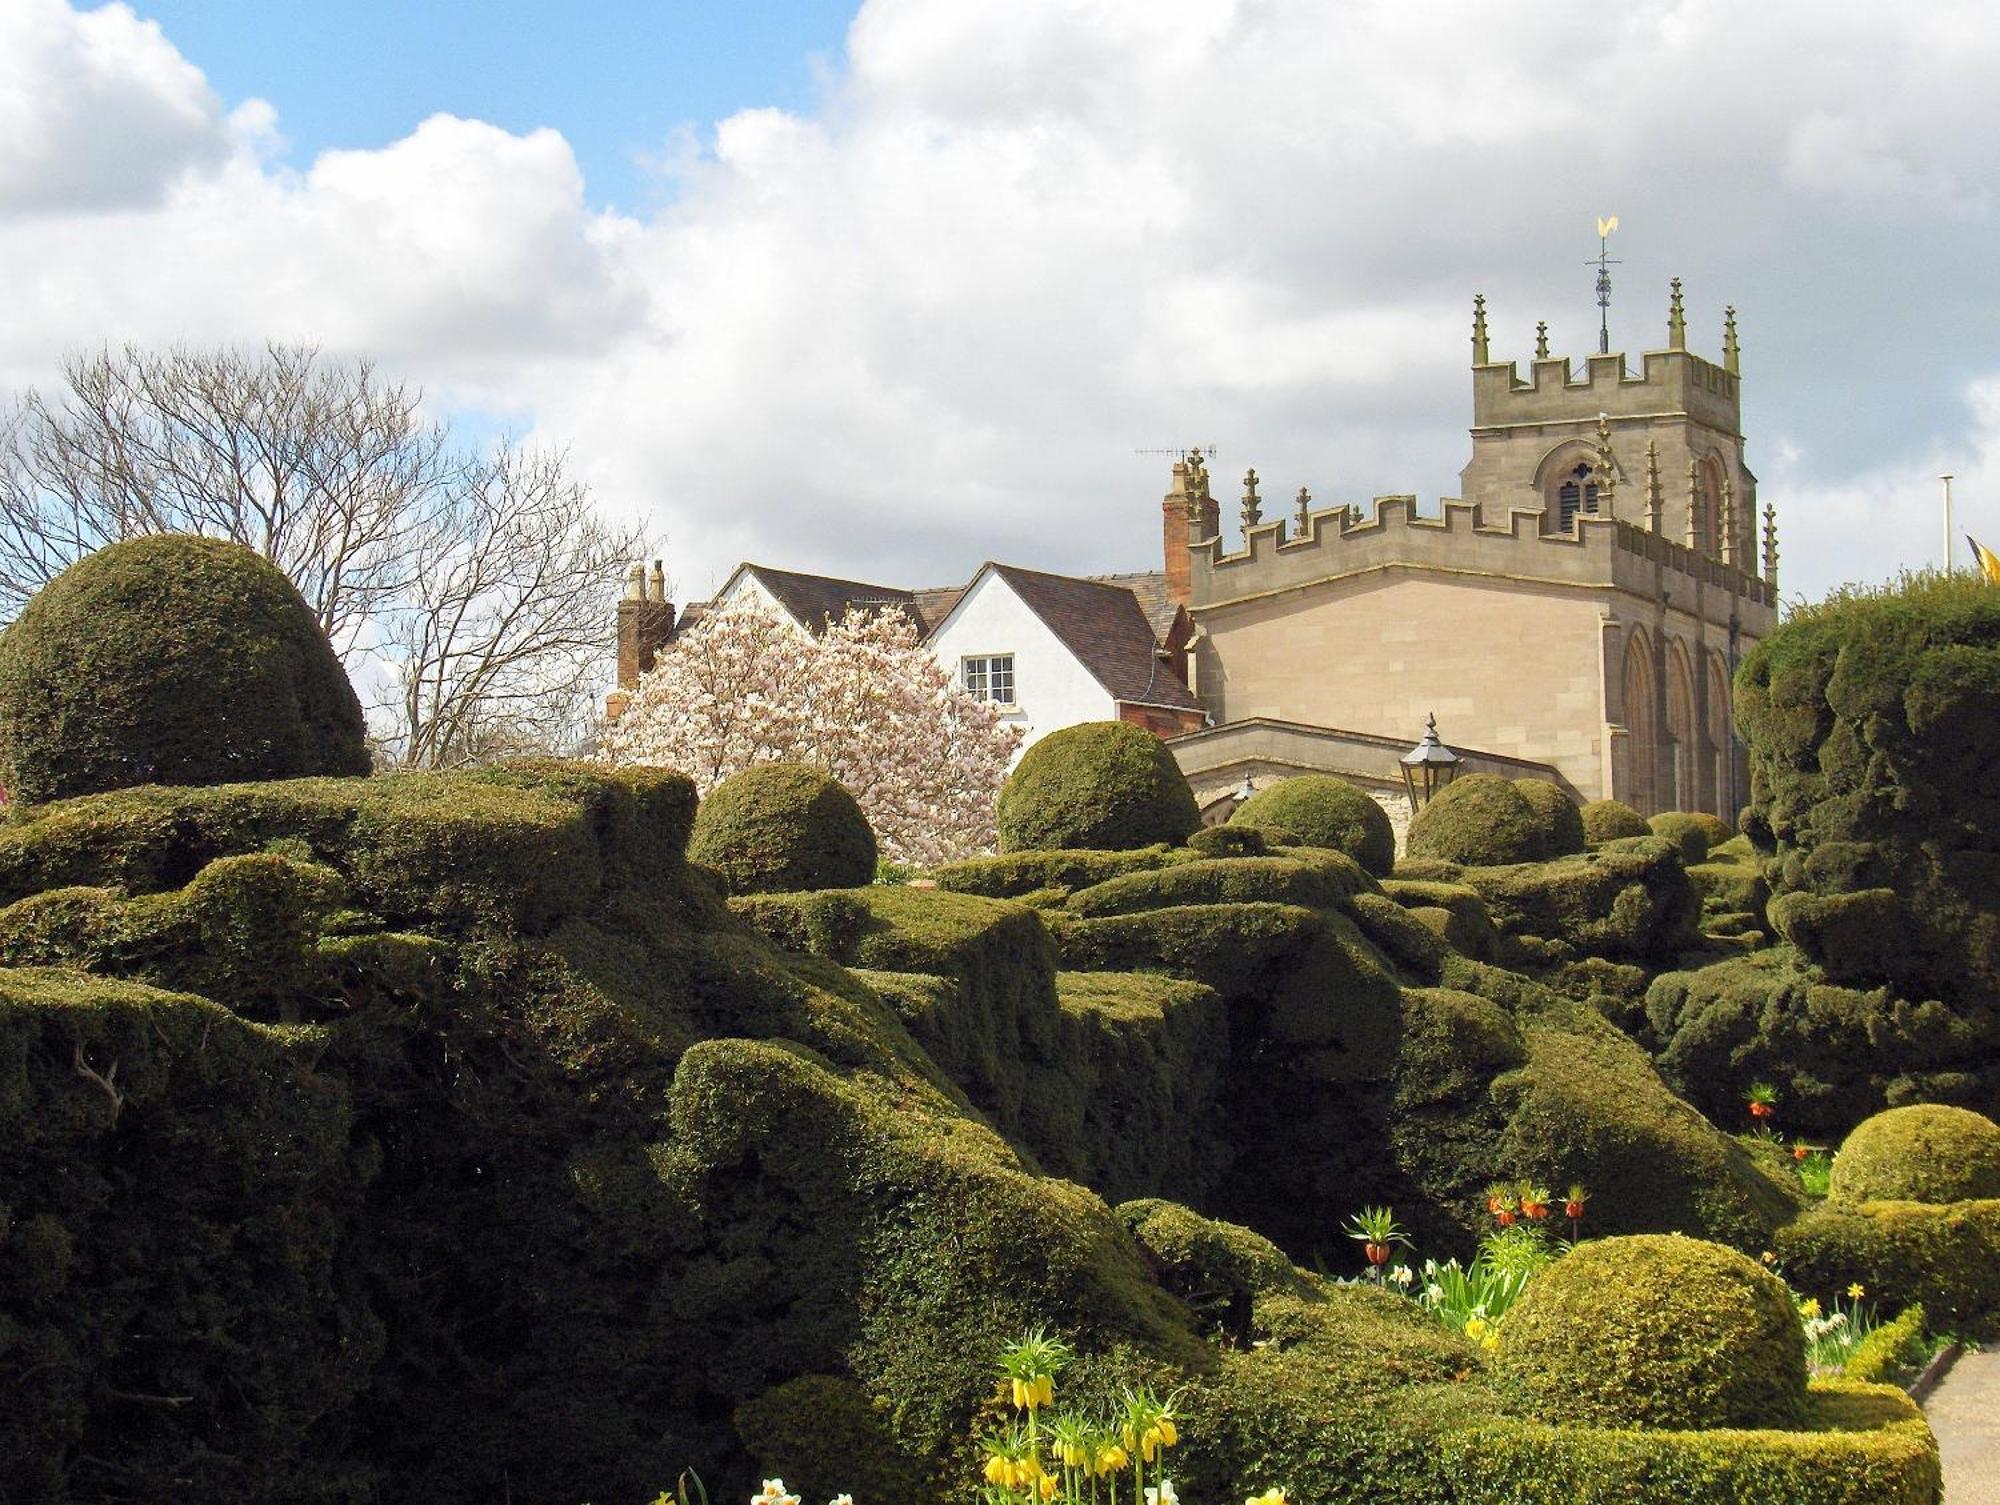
[933, 604]
[814, 599]
[1150, 586]
[1104, 625]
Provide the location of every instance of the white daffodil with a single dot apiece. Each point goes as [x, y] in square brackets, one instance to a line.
[841, 1500]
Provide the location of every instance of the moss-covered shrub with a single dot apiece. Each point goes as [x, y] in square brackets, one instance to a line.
[1011, 875]
[1100, 785]
[1695, 832]
[1873, 728]
[1655, 1331]
[821, 1434]
[1479, 818]
[1925, 1152]
[1896, 1344]
[1312, 878]
[1228, 841]
[1611, 820]
[1859, 1445]
[1454, 910]
[783, 827]
[1834, 1053]
[1325, 812]
[1621, 902]
[1944, 1257]
[170, 660]
[1854, 937]
[1562, 823]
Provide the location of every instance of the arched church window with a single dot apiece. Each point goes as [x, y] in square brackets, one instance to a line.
[1578, 493]
[1710, 531]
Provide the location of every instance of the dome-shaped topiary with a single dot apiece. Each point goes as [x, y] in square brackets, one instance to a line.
[1654, 1330]
[1099, 786]
[1693, 831]
[1481, 820]
[1562, 823]
[171, 660]
[1926, 1152]
[1325, 812]
[1611, 820]
[782, 828]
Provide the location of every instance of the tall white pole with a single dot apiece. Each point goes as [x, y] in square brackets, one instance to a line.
[1946, 478]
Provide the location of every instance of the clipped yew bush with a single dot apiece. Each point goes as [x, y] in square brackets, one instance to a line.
[1693, 831]
[1480, 820]
[1610, 820]
[1325, 812]
[782, 827]
[171, 660]
[1099, 785]
[1656, 1331]
[1562, 822]
[1926, 1152]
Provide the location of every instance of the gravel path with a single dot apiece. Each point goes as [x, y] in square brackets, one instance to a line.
[1965, 1413]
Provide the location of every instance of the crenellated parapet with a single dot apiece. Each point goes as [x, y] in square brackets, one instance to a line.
[1668, 382]
[1463, 539]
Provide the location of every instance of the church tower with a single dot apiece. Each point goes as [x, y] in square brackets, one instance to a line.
[1661, 448]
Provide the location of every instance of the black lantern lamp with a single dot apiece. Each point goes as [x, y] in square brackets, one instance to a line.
[1428, 767]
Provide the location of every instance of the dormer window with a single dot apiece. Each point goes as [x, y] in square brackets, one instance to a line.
[1578, 493]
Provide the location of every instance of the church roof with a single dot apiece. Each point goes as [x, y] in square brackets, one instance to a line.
[1105, 624]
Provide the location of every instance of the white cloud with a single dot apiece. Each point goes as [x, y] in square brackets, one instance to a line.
[930, 323]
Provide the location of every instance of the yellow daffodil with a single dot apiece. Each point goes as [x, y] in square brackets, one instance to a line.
[1856, 1291]
[1809, 1307]
[1768, 1257]
[1268, 1497]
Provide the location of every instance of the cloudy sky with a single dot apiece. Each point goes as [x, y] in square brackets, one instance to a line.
[894, 290]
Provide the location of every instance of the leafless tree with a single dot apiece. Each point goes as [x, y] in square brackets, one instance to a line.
[479, 587]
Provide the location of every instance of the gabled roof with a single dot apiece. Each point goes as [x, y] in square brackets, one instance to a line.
[814, 599]
[1150, 586]
[1103, 624]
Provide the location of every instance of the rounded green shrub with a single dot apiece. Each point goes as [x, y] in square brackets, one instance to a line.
[1655, 1330]
[171, 660]
[783, 827]
[1099, 785]
[1609, 820]
[1926, 1152]
[1562, 822]
[1481, 820]
[1325, 812]
[1227, 841]
[1693, 831]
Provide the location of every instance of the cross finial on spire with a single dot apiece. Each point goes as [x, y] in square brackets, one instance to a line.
[1480, 356]
[1252, 512]
[1655, 502]
[1542, 340]
[1771, 545]
[1304, 514]
[1677, 329]
[1731, 356]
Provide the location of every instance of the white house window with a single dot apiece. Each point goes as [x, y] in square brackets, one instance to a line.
[991, 678]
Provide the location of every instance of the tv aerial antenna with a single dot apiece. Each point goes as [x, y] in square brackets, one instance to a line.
[1604, 261]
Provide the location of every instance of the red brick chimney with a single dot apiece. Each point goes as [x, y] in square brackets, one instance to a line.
[1187, 512]
[645, 623]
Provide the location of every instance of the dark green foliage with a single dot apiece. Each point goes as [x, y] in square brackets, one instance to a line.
[170, 660]
[1922, 1153]
[1611, 820]
[1696, 833]
[1946, 1257]
[1014, 874]
[1417, 949]
[1730, 883]
[1219, 1269]
[1454, 910]
[1479, 818]
[1325, 812]
[1655, 1331]
[1312, 878]
[823, 1437]
[783, 827]
[1873, 726]
[1631, 902]
[1228, 841]
[1100, 785]
[1853, 936]
[1859, 1445]
[1895, 1345]
[1561, 822]
[1834, 1053]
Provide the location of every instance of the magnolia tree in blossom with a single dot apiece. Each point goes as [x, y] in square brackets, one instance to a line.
[864, 701]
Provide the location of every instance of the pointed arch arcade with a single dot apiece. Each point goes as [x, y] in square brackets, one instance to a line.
[1637, 692]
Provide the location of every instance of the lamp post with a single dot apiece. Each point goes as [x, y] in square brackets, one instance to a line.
[1428, 767]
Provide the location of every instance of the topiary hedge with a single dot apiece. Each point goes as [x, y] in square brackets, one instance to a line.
[1479, 819]
[1925, 1152]
[1693, 831]
[171, 660]
[1099, 785]
[1658, 1332]
[1325, 812]
[1611, 820]
[783, 827]
[1562, 823]
[1945, 1258]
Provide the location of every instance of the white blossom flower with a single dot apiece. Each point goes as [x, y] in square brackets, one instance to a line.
[1403, 1275]
[1163, 1494]
[773, 1493]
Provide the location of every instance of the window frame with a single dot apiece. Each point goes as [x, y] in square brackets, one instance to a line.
[986, 687]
